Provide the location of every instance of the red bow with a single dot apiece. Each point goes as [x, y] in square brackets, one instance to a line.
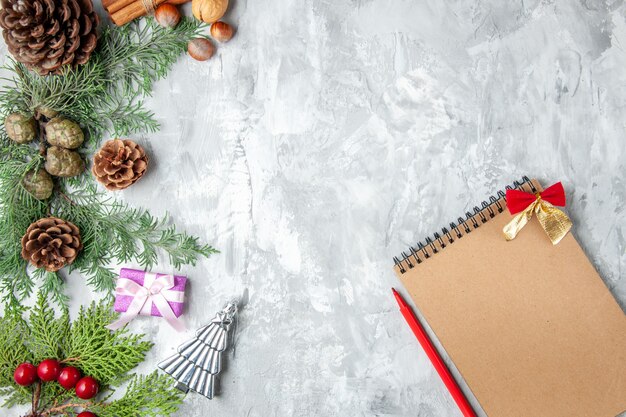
[517, 200]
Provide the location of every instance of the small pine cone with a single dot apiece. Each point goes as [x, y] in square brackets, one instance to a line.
[21, 128]
[62, 162]
[119, 164]
[47, 35]
[64, 133]
[51, 243]
[39, 184]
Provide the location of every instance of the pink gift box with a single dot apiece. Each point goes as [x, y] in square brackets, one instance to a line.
[122, 302]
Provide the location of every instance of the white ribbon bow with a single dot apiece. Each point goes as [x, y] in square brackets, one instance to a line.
[157, 291]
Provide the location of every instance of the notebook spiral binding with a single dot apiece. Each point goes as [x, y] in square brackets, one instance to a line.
[439, 240]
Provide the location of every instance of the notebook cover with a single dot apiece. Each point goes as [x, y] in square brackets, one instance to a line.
[530, 326]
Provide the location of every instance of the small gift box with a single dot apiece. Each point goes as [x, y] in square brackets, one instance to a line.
[149, 294]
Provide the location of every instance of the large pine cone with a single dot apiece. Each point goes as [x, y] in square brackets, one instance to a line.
[46, 35]
[51, 243]
[119, 164]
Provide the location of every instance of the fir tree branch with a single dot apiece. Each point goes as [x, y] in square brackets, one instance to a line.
[47, 333]
[13, 351]
[104, 94]
[147, 396]
[112, 230]
[18, 209]
[52, 285]
[105, 355]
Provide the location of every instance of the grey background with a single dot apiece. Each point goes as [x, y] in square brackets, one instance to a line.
[327, 136]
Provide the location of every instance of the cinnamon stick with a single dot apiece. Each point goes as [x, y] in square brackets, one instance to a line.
[112, 5]
[116, 5]
[131, 12]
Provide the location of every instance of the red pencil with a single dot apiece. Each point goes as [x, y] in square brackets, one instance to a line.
[434, 357]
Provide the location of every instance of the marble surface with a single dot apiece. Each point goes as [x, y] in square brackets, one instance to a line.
[327, 136]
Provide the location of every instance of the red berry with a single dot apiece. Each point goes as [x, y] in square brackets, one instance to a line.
[25, 374]
[86, 414]
[69, 377]
[49, 370]
[86, 388]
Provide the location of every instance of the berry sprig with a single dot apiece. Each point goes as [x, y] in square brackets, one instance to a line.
[92, 350]
[51, 370]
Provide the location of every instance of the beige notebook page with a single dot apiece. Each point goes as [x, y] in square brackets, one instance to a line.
[530, 326]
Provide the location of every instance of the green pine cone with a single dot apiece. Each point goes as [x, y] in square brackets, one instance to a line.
[64, 133]
[39, 184]
[20, 128]
[61, 162]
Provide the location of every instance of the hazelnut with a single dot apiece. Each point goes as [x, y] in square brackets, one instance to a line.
[221, 32]
[200, 49]
[167, 15]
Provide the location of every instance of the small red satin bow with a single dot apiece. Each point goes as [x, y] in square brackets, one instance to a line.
[518, 200]
[555, 223]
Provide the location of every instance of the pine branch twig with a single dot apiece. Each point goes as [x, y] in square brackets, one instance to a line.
[62, 408]
[36, 395]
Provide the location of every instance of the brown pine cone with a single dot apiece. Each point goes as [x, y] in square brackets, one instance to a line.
[119, 164]
[51, 243]
[46, 35]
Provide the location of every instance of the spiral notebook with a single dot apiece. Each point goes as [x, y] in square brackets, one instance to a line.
[530, 326]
